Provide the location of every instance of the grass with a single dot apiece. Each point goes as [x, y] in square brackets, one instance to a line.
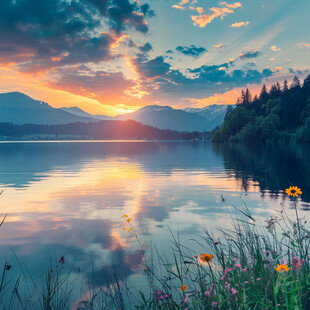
[250, 266]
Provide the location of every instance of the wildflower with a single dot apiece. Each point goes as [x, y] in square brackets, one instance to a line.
[246, 281]
[186, 298]
[216, 243]
[206, 257]
[62, 260]
[125, 215]
[214, 304]
[183, 287]
[237, 265]
[145, 269]
[196, 256]
[123, 228]
[296, 264]
[293, 191]
[281, 268]
[227, 287]
[233, 291]
[129, 229]
[225, 273]
[185, 277]
[258, 279]
[209, 293]
[244, 269]
[234, 259]
[128, 220]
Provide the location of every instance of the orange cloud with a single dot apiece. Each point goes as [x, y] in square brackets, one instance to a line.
[275, 48]
[204, 19]
[232, 6]
[240, 24]
[218, 45]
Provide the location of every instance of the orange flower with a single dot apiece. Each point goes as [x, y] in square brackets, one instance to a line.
[130, 229]
[293, 191]
[216, 242]
[206, 257]
[145, 269]
[123, 228]
[128, 220]
[183, 287]
[281, 268]
[125, 215]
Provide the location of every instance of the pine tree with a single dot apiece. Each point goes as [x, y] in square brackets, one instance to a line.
[296, 82]
[285, 85]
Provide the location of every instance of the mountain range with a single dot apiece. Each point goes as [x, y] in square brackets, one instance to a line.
[19, 108]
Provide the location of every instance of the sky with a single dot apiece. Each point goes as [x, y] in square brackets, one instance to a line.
[115, 56]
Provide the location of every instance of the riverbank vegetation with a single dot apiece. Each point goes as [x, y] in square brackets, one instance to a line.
[252, 265]
[281, 113]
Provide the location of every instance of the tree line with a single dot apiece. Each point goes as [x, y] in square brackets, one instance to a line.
[105, 129]
[281, 113]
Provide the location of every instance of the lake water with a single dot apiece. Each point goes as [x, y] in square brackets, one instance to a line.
[67, 198]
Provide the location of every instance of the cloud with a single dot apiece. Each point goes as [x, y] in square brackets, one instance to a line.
[275, 48]
[203, 19]
[146, 47]
[104, 86]
[240, 24]
[152, 68]
[278, 69]
[232, 6]
[44, 34]
[220, 45]
[303, 45]
[191, 50]
[251, 54]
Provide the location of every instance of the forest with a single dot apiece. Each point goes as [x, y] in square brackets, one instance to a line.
[101, 130]
[281, 113]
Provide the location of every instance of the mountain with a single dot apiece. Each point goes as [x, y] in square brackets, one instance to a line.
[214, 114]
[165, 117]
[19, 108]
[80, 112]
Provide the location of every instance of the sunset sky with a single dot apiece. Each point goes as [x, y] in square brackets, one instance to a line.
[115, 56]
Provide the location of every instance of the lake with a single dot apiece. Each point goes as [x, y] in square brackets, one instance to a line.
[67, 198]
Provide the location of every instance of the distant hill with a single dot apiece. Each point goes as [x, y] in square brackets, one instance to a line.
[214, 114]
[80, 112]
[165, 117]
[19, 108]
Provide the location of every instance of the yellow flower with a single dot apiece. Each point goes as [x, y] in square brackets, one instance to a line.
[206, 257]
[125, 215]
[130, 229]
[123, 228]
[128, 220]
[183, 287]
[281, 268]
[293, 191]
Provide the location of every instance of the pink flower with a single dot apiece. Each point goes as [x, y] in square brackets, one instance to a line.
[237, 284]
[234, 259]
[246, 281]
[233, 291]
[227, 287]
[244, 269]
[225, 273]
[302, 260]
[185, 277]
[293, 253]
[296, 263]
[196, 256]
[282, 261]
[214, 304]
[267, 252]
[186, 298]
[237, 265]
[258, 279]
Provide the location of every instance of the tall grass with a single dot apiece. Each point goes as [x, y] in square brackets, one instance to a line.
[247, 266]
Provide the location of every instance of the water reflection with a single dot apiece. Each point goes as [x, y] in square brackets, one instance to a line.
[68, 198]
